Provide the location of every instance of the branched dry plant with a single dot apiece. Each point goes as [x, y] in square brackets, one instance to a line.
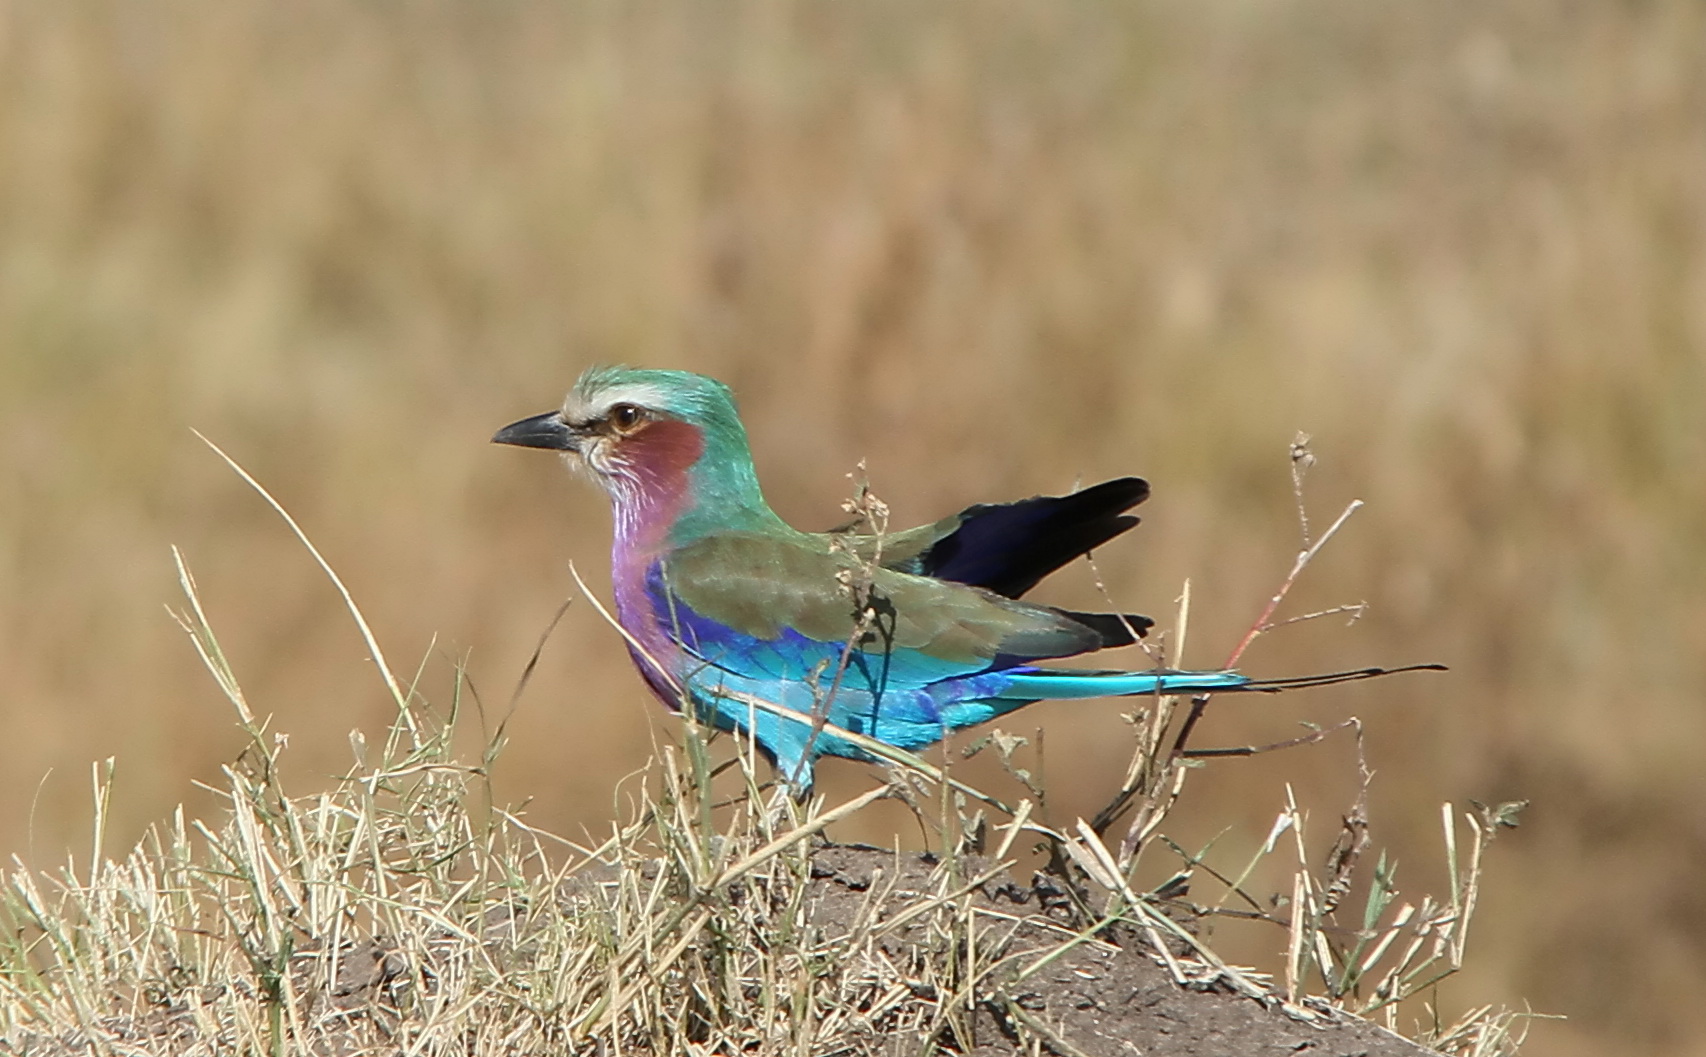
[400, 911]
[1391, 953]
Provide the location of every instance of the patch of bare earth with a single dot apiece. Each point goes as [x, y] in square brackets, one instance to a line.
[1114, 997]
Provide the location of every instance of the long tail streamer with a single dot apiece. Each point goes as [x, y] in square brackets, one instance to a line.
[1300, 682]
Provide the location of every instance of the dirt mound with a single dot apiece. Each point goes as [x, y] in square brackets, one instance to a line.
[916, 956]
[1113, 997]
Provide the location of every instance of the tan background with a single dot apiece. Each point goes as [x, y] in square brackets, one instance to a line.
[995, 249]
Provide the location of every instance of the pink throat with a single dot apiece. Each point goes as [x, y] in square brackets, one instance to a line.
[646, 506]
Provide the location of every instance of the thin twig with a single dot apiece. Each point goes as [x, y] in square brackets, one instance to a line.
[1200, 702]
[1290, 743]
[1302, 460]
[1357, 610]
[1303, 559]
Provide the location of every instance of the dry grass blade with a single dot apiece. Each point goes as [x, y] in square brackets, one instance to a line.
[367, 635]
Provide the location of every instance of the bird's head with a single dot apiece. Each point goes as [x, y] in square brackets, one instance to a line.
[651, 435]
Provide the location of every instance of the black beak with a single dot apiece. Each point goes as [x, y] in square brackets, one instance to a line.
[541, 431]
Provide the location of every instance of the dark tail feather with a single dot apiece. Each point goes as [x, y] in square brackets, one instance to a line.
[1009, 547]
[1302, 682]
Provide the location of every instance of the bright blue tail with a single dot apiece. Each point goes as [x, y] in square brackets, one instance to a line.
[1042, 684]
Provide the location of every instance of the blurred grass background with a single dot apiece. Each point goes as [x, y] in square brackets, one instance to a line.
[994, 249]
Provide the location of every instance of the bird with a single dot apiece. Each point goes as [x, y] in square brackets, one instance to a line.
[808, 642]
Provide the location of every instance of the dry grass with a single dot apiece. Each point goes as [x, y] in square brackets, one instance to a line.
[403, 908]
[993, 250]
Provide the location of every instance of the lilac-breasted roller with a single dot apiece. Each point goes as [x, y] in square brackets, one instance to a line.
[724, 604]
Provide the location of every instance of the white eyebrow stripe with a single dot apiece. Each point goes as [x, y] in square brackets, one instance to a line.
[579, 409]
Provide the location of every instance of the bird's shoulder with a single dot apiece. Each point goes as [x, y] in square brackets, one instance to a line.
[902, 551]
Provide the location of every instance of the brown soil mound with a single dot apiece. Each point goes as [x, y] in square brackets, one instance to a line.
[1111, 999]
[1111, 995]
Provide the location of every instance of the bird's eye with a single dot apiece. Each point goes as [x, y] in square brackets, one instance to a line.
[625, 417]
